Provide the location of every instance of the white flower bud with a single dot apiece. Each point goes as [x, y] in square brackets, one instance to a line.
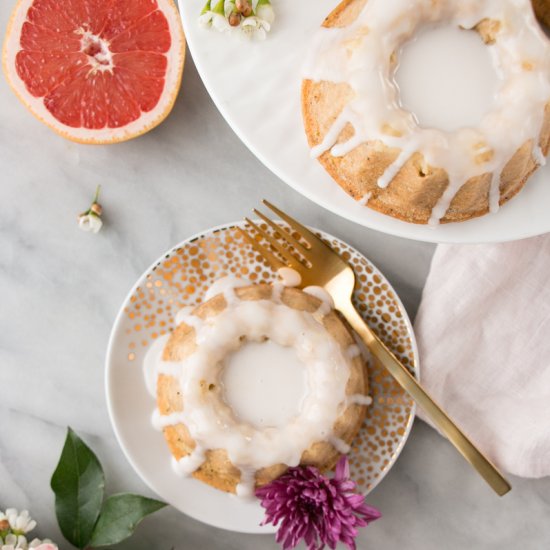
[266, 12]
[220, 23]
[90, 223]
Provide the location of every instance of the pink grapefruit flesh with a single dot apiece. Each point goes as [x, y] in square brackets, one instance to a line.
[96, 71]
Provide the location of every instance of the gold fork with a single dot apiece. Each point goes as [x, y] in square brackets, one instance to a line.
[327, 269]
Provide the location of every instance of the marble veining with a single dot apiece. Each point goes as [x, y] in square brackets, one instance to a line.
[60, 290]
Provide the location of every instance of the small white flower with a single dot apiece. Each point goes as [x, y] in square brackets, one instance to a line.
[214, 17]
[20, 523]
[252, 18]
[90, 222]
[91, 219]
[266, 13]
[205, 18]
[45, 544]
[228, 6]
[14, 542]
[254, 27]
[220, 23]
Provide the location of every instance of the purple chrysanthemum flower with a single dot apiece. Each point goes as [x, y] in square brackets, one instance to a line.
[320, 510]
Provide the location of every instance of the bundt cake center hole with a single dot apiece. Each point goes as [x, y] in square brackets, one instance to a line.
[264, 383]
[446, 78]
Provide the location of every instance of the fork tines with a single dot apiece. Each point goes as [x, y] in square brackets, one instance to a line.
[290, 250]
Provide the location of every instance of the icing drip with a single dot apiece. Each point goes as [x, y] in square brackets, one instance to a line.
[160, 421]
[360, 55]
[360, 399]
[353, 351]
[245, 487]
[289, 277]
[365, 353]
[225, 284]
[277, 292]
[391, 171]
[339, 444]
[327, 302]
[182, 314]
[230, 296]
[151, 363]
[363, 201]
[332, 135]
[540, 159]
[168, 368]
[186, 465]
[494, 194]
[190, 320]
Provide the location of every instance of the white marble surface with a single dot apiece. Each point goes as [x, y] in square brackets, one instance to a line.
[61, 288]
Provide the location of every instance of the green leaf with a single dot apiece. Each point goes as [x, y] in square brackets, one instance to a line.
[78, 483]
[119, 517]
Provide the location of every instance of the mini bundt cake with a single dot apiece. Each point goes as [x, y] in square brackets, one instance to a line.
[206, 438]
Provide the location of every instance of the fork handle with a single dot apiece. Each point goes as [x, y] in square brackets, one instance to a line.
[409, 383]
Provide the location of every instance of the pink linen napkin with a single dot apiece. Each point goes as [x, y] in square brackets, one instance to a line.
[483, 331]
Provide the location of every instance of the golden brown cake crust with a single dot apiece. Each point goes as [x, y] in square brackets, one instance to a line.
[414, 191]
[542, 10]
[217, 470]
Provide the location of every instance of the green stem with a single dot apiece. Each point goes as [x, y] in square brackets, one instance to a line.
[219, 8]
[96, 197]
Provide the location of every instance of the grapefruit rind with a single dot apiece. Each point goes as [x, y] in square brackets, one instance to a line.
[146, 122]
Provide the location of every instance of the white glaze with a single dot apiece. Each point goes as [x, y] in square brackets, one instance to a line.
[212, 423]
[360, 53]
[255, 434]
[245, 488]
[188, 464]
[365, 353]
[183, 314]
[339, 444]
[264, 384]
[364, 200]
[289, 277]
[446, 78]
[161, 421]
[151, 364]
[226, 286]
[327, 303]
[359, 399]
[277, 290]
[353, 351]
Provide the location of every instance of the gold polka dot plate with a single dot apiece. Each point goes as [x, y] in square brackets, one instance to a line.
[180, 278]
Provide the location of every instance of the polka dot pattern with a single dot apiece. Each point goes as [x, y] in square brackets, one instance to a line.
[181, 278]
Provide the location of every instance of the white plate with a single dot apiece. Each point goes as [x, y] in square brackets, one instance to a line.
[256, 86]
[179, 278]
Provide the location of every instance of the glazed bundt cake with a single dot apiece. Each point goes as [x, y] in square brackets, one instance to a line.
[378, 152]
[207, 439]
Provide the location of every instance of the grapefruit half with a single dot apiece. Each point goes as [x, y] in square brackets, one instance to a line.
[96, 71]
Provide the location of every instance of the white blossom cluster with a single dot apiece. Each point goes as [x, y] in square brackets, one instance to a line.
[14, 527]
[250, 18]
